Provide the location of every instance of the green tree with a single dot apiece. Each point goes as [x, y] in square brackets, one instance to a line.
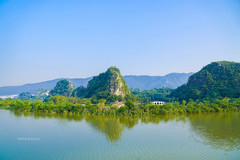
[25, 96]
[130, 105]
[64, 88]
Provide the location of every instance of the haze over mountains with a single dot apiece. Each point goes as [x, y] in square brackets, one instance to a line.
[172, 80]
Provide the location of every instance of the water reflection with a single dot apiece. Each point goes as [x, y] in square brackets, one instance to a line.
[218, 130]
[111, 127]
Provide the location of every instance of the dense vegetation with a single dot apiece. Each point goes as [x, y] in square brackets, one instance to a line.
[215, 81]
[206, 91]
[61, 104]
[146, 96]
[41, 94]
[25, 96]
[109, 85]
[64, 87]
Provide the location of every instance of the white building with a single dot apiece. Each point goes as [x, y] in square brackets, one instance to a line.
[158, 102]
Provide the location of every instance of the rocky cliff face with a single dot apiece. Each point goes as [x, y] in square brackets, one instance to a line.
[117, 85]
[111, 81]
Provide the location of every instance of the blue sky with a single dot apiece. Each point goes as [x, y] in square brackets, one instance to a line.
[47, 39]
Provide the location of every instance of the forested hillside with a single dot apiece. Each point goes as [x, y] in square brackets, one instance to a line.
[216, 80]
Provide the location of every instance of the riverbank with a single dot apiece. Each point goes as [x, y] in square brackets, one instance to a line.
[73, 106]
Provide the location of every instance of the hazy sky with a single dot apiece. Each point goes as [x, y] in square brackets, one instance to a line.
[47, 39]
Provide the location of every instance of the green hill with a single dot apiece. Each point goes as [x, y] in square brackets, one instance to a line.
[216, 80]
[110, 83]
[64, 87]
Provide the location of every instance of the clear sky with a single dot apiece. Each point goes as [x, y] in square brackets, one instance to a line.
[47, 39]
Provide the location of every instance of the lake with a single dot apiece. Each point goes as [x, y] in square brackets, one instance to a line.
[213, 136]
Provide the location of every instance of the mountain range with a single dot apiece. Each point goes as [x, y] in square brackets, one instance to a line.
[172, 80]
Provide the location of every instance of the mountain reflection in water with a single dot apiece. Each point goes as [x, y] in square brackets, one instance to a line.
[218, 130]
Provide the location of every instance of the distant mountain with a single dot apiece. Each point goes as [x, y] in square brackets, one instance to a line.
[32, 88]
[216, 80]
[172, 80]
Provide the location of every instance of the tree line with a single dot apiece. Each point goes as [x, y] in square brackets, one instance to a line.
[74, 105]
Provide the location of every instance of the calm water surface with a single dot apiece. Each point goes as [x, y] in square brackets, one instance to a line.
[33, 136]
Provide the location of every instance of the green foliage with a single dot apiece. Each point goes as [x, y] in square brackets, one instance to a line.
[58, 99]
[64, 87]
[72, 105]
[146, 96]
[131, 97]
[205, 92]
[109, 86]
[215, 81]
[130, 105]
[110, 81]
[41, 94]
[113, 98]
[80, 92]
[25, 96]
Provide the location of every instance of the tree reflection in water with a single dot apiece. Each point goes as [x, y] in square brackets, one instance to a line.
[219, 130]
